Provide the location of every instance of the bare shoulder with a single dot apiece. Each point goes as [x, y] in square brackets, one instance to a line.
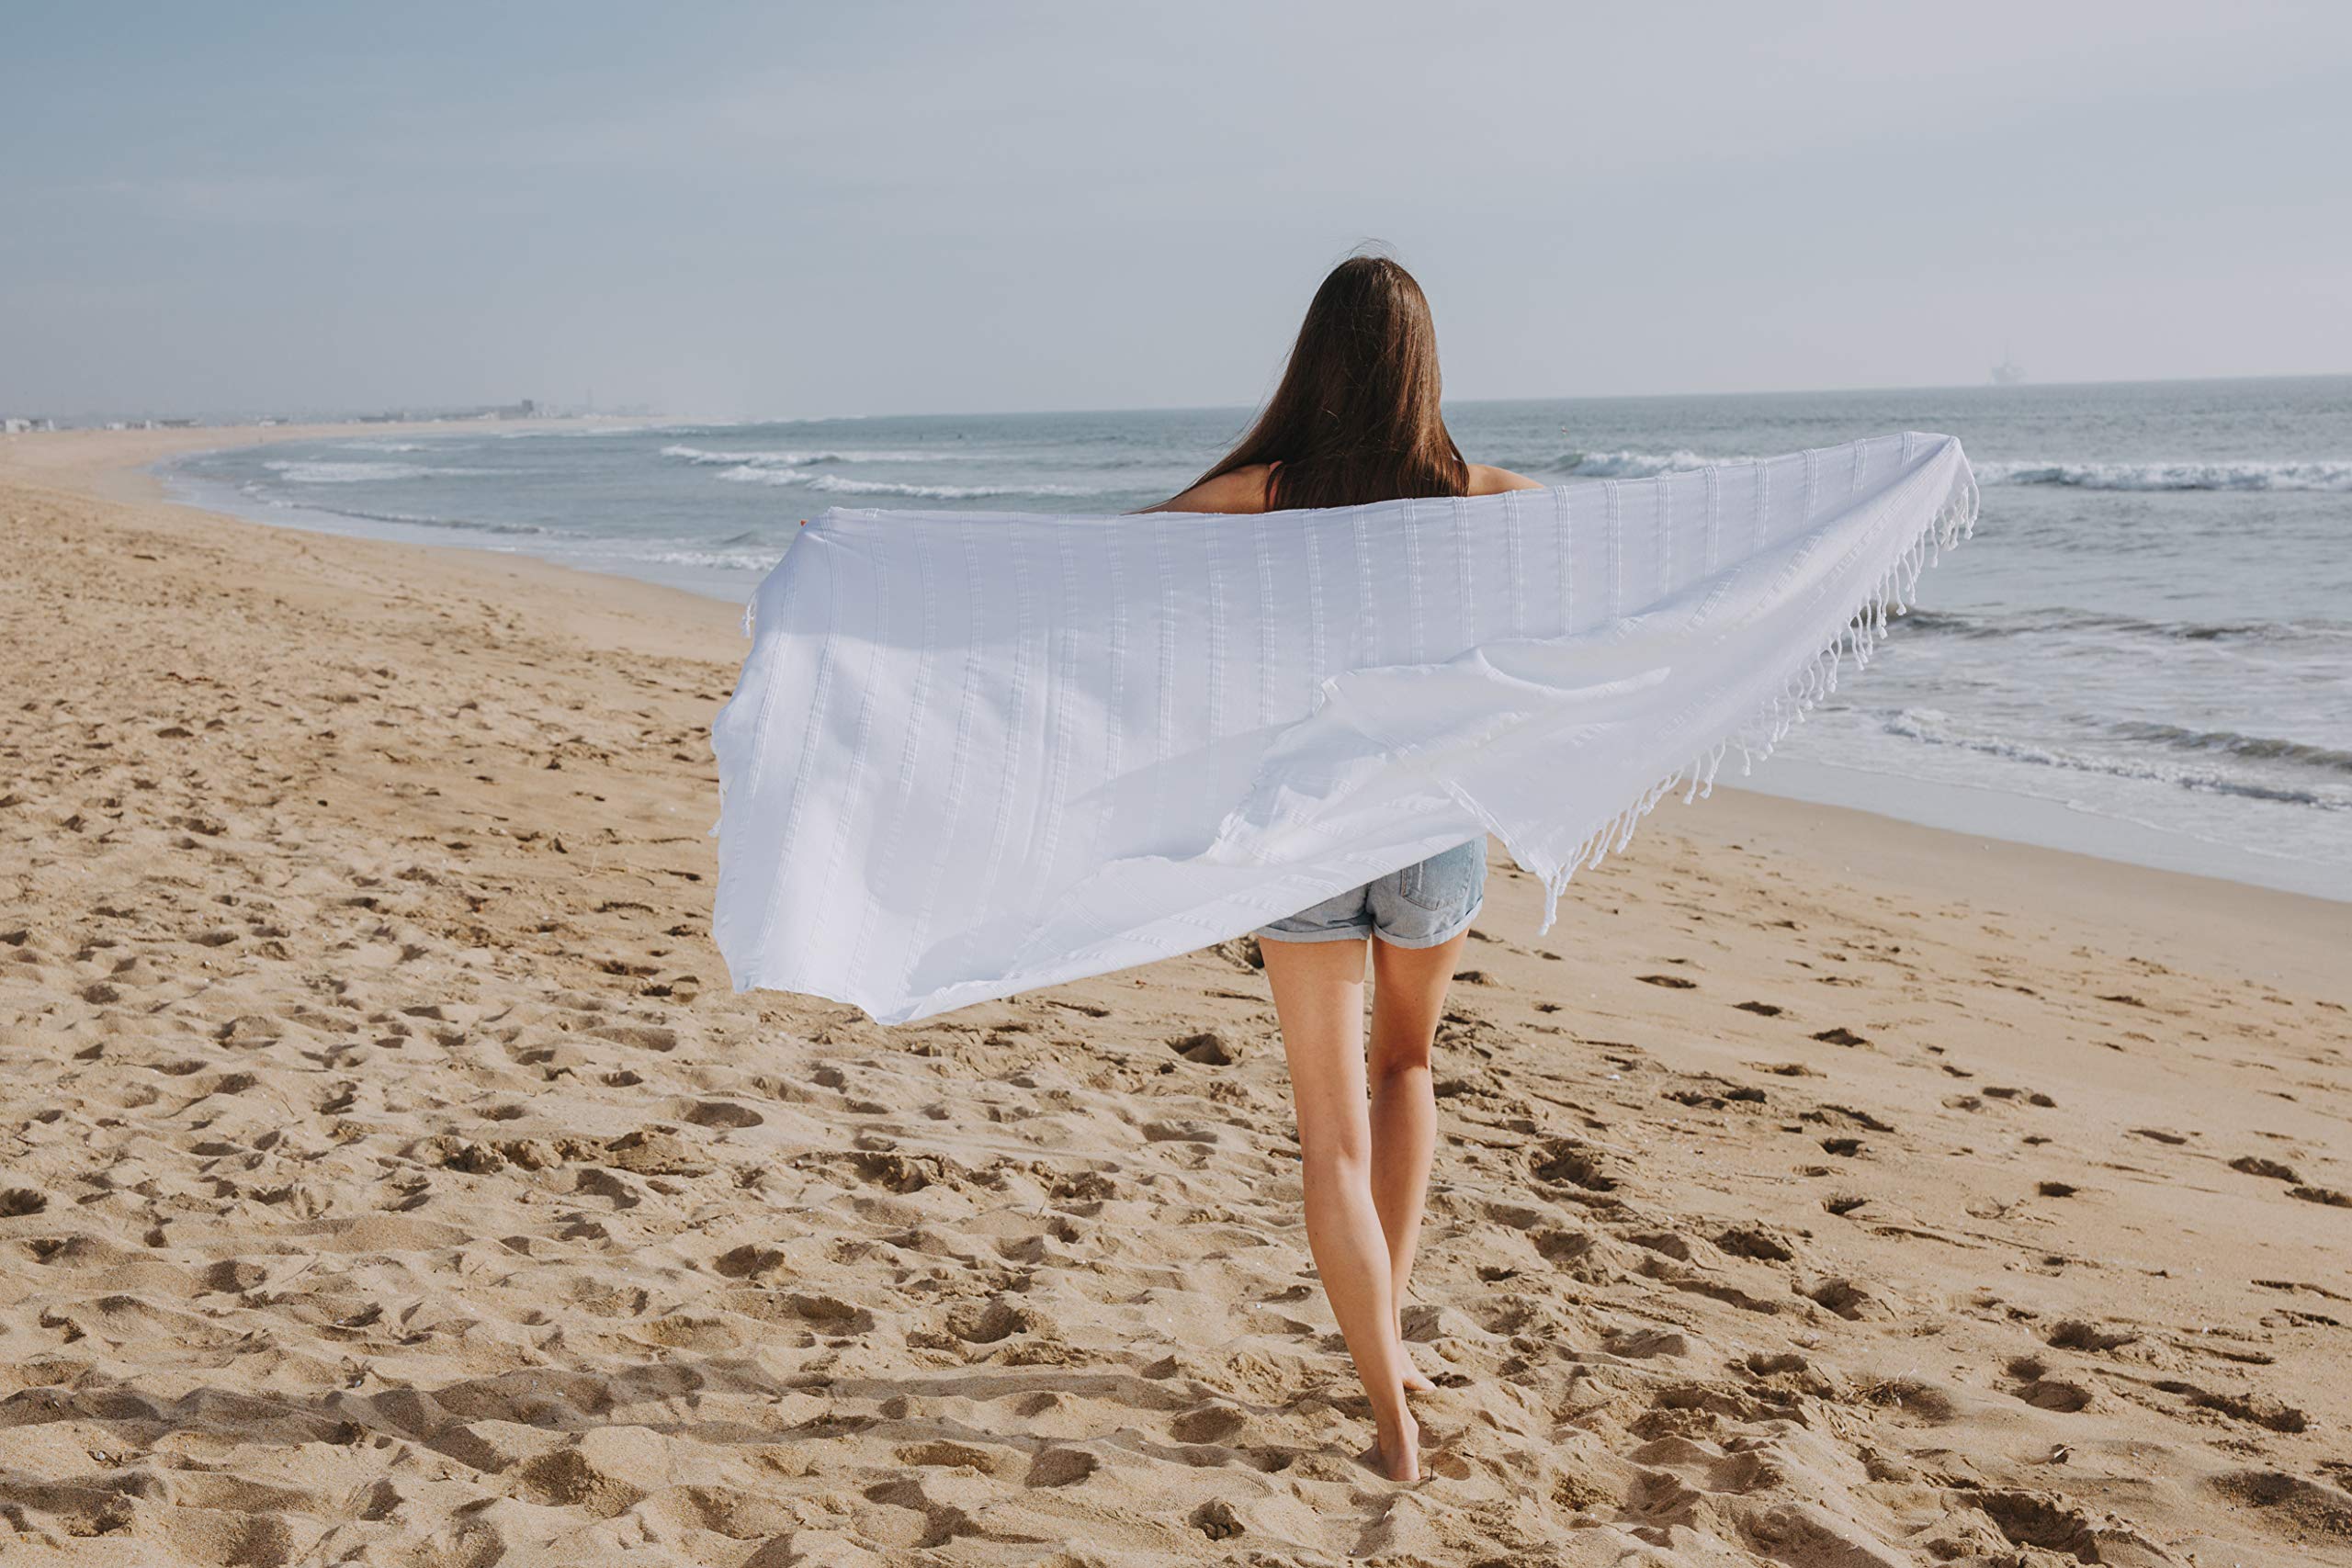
[1243, 490]
[1485, 479]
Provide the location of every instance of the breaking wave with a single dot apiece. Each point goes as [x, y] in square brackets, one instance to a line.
[2027, 623]
[1632, 465]
[2229, 742]
[2303, 476]
[2308, 475]
[798, 459]
[1936, 728]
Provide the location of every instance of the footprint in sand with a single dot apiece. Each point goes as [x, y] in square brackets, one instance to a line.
[1211, 1424]
[724, 1115]
[2256, 1409]
[1209, 1048]
[2038, 1388]
[1851, 1300]
[2298, 1510]
[2073, 1333]
[1566, 1163]
[1756, 1241]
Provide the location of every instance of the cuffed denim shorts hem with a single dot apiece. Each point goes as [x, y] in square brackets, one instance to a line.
[1424, 904]
[1358, 932]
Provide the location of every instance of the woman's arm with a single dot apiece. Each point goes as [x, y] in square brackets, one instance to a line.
[1488, 480]
[1243, 490]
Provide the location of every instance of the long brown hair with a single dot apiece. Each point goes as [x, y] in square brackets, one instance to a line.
[1356, 417]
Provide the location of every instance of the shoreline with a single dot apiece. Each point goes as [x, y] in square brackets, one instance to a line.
[1925, 851]
[390, 1170]
[2018, 816]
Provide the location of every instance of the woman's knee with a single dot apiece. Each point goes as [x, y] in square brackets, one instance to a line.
[1338, 1156]
[1395, 1061]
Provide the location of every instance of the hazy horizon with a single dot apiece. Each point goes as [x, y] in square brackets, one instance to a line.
[426, 410]
[787, 212]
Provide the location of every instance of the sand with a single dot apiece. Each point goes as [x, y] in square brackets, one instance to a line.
[391, 1177]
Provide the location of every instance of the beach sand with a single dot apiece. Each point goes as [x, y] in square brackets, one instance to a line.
[391, 1177]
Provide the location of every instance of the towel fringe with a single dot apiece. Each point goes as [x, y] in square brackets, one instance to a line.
[1811, 681]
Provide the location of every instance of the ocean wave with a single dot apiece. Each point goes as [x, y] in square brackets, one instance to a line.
[718, 560]
[658, 427]
[1632, 465]
[1936, 728]
[834, 484]
[470, 525]
[363, 514]
[2301, 475]
[320, 473]
[379, 446]
[2026, 622]
[2229, 742]
[798, 459]
[2256, 476]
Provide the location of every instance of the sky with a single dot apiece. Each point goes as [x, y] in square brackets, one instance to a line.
[787, 210]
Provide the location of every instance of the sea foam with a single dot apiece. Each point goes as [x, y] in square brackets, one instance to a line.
[798, 459]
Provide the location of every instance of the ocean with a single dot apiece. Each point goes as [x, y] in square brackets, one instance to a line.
[2145, 653]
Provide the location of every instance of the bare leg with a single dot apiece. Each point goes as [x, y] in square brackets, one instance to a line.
[1319, 994]
[1407, 998]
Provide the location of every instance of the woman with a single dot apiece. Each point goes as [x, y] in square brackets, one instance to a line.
[1356, 420]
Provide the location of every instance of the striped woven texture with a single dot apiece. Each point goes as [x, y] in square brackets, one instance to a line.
[973, 753]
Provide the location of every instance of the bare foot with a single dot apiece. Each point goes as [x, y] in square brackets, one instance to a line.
[1398, 1457]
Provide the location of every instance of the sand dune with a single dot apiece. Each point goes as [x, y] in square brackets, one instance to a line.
[390, 1177]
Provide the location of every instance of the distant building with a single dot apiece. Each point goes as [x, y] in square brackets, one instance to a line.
[14, 426]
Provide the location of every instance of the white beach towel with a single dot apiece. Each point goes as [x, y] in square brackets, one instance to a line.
[974, 754]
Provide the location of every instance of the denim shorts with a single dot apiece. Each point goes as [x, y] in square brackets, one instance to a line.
[1423, 905]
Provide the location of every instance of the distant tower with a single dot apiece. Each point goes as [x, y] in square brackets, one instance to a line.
[2008, 372]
